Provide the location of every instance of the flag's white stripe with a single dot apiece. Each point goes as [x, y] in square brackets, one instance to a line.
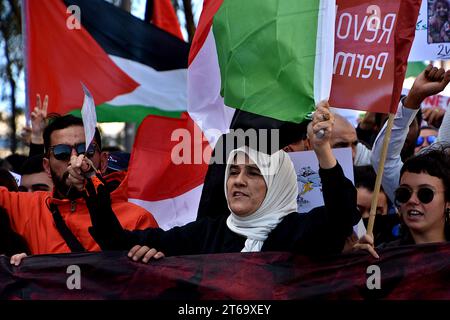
[205, 104]
[176, 211]
[166, 90]
[323, 66]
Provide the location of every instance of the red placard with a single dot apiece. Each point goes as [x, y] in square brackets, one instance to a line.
[372, 44]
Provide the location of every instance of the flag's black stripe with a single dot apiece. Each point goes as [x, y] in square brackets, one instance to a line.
[121, 34]
[290, 132]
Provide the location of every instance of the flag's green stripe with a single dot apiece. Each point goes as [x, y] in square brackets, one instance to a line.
[414, 69]
[129, 113]
[266, 52]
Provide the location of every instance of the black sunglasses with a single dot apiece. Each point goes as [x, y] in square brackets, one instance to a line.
[403, 194]
[64, 151]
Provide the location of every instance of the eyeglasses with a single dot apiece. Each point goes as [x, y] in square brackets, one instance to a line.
[424, 194]
[421, 140]
[64, 151]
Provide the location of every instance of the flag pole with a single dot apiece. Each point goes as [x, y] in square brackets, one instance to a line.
[380, 170]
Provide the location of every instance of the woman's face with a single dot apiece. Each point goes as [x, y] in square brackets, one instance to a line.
[423, 218]
[364, 201]
[246, 188]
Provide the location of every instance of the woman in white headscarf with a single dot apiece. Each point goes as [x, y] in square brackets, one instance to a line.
[271, 183]
[261, 191]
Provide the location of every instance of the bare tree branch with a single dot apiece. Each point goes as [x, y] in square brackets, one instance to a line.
[190, 25]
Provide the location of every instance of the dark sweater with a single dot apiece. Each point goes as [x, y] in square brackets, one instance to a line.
[10, 242]
[323, 230]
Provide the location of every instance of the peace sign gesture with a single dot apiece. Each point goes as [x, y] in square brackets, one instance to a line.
[38, 120]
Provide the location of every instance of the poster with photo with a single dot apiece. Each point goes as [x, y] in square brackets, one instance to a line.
[432, 40]
[307, 169]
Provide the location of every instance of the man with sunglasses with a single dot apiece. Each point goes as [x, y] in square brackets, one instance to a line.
[430, 82]
[427, 136]
[58, 221]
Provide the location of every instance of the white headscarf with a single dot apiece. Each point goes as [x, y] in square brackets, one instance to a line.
[281, 197]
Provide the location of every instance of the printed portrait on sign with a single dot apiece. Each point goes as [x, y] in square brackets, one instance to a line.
[438, 21]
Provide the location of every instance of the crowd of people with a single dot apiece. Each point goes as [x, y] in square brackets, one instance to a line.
[72, 194]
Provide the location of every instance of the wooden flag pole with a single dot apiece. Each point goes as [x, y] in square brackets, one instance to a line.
[376, 190]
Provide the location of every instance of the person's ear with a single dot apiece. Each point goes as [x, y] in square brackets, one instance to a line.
[103, 161]
[46, 165]
[307, 144]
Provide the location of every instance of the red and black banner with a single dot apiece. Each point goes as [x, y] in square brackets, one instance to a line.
[409, 272]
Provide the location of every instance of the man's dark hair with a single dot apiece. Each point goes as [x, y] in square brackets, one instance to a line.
[428, 128]
[62, 122]
[7, 180]
[33, 165]
[16, 161]
[365, 177]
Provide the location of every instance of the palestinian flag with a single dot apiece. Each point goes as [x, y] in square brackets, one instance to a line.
[254, 61]
[167, 169]
[131, 67]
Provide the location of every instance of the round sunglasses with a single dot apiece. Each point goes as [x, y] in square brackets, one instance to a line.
[64, 151]
[421, 140]
[424, 194]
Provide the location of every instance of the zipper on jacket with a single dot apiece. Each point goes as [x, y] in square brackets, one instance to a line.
[73, 206]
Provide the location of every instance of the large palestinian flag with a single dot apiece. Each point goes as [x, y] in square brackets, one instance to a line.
[133, 70]
[254, 60]
[131, 67]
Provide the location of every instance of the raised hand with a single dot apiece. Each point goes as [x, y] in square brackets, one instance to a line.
[429, 82]
[25, 135]
[319, 133]
[79, 168]
[433, 116]
[38, 120]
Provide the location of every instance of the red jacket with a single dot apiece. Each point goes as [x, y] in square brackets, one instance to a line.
[31, 218]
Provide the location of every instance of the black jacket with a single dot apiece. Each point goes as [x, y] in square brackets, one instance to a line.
[10, 241]
[323, 230]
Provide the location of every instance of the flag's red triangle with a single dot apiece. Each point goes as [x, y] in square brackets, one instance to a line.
[210, 7]
[153, 173]
[59, 58]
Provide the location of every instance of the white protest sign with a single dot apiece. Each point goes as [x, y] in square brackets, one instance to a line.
[309, 184]
[307, 169]
[17, 177]
[89, 116]
[432, 40]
